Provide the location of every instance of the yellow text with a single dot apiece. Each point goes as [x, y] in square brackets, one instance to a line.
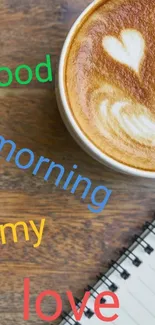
[13, 228]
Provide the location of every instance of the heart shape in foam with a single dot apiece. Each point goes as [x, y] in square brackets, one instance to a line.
[129, 50]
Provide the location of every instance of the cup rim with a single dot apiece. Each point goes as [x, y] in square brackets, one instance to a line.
[102, 157]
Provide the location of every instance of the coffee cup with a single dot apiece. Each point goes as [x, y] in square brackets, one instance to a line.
[131, 71]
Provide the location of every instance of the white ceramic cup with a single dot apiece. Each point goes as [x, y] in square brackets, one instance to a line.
[68, 117]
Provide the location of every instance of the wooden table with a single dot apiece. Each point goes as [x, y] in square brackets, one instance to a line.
[77, 244]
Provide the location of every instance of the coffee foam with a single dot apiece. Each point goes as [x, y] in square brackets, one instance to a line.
[110, 80]
[128, 50]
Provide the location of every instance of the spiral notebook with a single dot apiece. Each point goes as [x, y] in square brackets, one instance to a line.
[132, 278]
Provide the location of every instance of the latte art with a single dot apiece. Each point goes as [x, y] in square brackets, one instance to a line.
[114, 120]
[129, 51]
[110, 78]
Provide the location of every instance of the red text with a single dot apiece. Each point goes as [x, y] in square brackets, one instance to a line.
[77, 311]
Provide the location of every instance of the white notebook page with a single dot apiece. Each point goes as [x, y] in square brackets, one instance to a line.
[136, 294]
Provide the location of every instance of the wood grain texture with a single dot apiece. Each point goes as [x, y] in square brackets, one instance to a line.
[77, 244]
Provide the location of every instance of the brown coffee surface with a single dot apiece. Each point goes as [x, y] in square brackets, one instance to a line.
[110, 80]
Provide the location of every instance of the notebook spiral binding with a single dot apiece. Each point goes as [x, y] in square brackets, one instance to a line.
[115, 265]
